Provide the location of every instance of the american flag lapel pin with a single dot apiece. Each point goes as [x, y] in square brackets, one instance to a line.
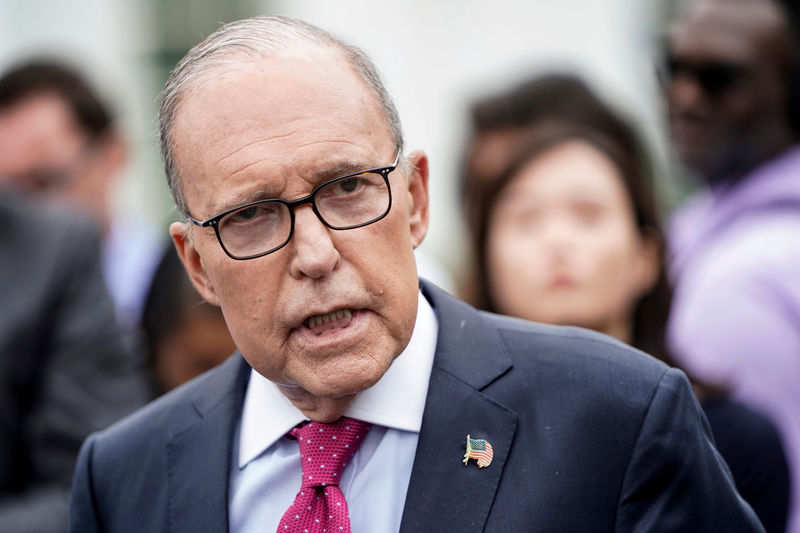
[480, 450]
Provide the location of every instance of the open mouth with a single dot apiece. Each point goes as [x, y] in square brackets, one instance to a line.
[337, 319]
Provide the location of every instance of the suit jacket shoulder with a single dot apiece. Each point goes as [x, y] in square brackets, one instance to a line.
[587, 435]
[173, 458]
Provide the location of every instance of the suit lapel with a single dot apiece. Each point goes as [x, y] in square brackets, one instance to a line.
[469, 357]
[199, 455]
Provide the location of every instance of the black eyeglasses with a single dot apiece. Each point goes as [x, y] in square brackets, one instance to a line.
[348, 202]
[714, 77]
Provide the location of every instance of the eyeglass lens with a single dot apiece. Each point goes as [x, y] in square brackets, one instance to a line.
[344, 203]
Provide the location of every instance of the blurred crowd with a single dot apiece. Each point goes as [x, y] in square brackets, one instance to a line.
[558, 189]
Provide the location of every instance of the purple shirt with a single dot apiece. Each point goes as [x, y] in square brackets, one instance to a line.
[736, 310]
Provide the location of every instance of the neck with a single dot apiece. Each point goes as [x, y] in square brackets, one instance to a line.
[318, 409]
[620, 328]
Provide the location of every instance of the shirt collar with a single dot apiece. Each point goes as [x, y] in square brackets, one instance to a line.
[396, 401]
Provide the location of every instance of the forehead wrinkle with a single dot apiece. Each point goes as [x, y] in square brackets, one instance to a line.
[252, 143]
[332, 171]
[260, 192]
[299, 168]
[245, 167]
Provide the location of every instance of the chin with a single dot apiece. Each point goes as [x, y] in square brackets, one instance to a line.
[338, 381]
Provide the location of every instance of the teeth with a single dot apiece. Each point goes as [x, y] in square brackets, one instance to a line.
[318, 320]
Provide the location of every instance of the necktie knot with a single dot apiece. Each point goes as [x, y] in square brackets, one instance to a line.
[325, 449]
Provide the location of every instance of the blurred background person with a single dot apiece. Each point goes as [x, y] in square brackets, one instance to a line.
[59, 142]
[497, 132]
[64, 372]
[185, 334]
[731, 74]
[566, 231]
[127, 48]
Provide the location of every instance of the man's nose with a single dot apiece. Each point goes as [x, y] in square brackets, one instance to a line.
[684, 93]
[315, 255]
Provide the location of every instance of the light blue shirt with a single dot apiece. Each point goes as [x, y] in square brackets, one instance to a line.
[266, 475]
[132, 252]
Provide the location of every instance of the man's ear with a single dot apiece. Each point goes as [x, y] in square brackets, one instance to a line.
[418, 194]
[179, 231]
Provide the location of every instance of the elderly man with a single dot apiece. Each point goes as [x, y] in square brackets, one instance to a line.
[285, 153]
[60, 142]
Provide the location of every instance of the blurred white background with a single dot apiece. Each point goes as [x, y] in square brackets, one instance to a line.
[436, 58]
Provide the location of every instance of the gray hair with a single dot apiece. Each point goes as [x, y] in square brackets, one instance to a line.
[254, 38]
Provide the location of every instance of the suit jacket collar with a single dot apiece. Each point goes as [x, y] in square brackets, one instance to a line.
[199, 454]
[470, 355]
[461, 326]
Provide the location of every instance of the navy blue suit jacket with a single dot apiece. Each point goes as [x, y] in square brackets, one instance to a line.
[589, 436]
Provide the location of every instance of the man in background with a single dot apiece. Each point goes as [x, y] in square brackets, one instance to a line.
[59, 142]
[731, 71]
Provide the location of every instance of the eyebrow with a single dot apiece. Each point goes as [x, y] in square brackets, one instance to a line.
[333, 171]
[339, 169]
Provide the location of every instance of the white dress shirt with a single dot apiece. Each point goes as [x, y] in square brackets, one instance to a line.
[266, 475]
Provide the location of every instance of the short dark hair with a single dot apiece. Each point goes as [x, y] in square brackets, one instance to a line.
[45, 76]
[557, 96]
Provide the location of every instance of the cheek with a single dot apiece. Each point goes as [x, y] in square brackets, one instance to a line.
[382, 255]
[610, 266]
[511, 253]
[515, 266]
[740, 110]
[387, 244]
[248, 296]
[386, 269]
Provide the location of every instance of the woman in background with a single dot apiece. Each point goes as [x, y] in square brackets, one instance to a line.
[565, 231]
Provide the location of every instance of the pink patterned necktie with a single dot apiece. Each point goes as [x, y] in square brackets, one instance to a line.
[325, 449]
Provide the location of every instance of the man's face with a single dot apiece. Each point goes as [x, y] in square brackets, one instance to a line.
[276, 129]
[43, 151]
[725, 88]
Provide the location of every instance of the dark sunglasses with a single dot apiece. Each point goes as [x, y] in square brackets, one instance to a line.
[714, 77]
